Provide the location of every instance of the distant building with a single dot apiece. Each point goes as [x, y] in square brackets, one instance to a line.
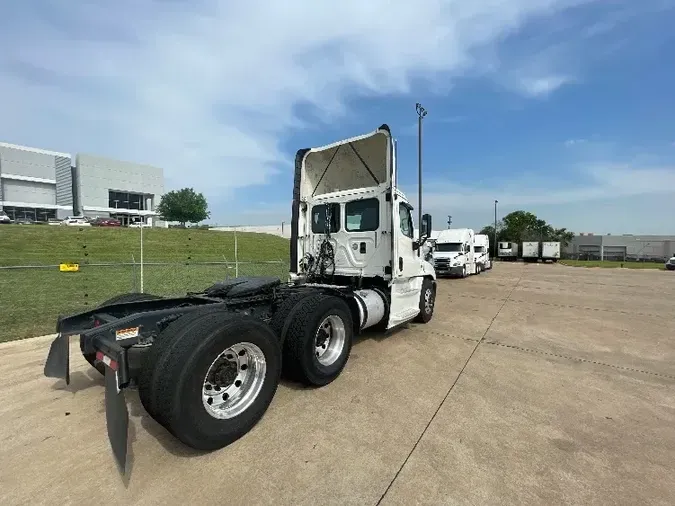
[622, 247]
[35, 183]
[39, 185]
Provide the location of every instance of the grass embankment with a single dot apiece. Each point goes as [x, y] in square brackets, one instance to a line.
[32, 298]
[611, 264]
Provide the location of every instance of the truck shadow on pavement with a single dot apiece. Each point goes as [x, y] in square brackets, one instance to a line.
[79, 381]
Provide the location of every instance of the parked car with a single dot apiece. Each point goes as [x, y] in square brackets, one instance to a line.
[4, 219]
[670, 264]
[76, 221]
[54, 221]
[24, 221]
[138, 224]
[106, 222]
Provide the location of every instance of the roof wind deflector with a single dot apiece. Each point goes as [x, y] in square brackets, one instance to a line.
[326, 170]
[364, 163]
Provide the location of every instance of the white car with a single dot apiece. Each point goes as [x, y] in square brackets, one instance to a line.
[138, 224]
[4, 218]
[76, 221]
[670, 264]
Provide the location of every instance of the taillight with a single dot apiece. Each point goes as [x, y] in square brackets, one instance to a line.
[101, 357]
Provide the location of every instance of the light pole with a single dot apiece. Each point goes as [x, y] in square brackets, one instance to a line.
[494, 251]
[421, 113]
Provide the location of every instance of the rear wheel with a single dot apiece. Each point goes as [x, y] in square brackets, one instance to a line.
[319, 340]
[217, 378]
[119, 299]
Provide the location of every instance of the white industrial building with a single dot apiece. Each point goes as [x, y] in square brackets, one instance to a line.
[38, 185]
[624, 247]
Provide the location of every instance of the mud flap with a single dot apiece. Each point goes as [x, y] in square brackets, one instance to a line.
[117, 418]
[58, 360]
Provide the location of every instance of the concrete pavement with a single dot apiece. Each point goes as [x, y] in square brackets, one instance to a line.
[532, 384]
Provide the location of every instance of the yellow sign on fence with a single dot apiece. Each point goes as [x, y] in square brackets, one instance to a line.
[69, 267]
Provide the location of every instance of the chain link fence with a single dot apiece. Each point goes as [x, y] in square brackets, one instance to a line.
[34, 290]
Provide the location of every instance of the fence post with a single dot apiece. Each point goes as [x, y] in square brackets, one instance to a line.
[142, 227]
[236, 256]
[134, 281]
[227, 268]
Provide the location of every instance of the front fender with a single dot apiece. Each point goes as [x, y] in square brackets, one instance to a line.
[428, 270]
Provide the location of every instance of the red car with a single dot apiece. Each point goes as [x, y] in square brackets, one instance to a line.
[106, 222]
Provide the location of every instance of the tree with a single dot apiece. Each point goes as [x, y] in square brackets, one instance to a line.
[520, 226]
[183, 206]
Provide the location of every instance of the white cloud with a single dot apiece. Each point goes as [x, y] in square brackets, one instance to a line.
[574, 142]
[208, 90]
[598, 182]
[542, 86]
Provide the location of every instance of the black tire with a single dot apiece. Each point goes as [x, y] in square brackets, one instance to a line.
[300, 360]
[282, 313]
[184, 364]
[118, 299]
[428, 290]
[157, 355]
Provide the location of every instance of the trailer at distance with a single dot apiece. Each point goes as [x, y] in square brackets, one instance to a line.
[550, 250]
[530, 251]
[507, 250]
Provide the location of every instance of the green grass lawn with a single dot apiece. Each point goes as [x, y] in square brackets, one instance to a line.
[44, 245]
[32, 298]
[610, 264]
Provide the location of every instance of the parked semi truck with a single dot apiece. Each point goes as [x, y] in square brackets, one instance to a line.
[530, 251]
[454, 253]
[550, 251]
[481, 248]
[207, 364]
[507, 250]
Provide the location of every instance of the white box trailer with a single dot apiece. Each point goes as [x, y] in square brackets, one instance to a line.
[507, 250]
[530, 251]
[550, 251]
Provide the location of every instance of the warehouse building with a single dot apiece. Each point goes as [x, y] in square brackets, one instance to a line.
[626, 247]
[35, 183]
[39, 185]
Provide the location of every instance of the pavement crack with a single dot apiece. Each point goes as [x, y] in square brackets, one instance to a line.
[452, 386]
[579, 359]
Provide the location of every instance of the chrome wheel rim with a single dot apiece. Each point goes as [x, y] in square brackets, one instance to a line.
[234, 380]
[428, 301]
[329, 340]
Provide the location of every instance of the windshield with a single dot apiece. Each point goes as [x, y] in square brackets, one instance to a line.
[479, 249]
[449, 246]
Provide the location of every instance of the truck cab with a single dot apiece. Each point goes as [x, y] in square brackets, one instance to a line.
[353, 227]
[454, 253]
[482, 252]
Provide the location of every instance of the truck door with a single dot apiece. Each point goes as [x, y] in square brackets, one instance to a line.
[406, 282]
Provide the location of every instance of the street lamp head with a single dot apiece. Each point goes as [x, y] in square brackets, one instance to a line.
[421, 111]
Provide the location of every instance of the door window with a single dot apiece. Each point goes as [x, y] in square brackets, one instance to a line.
[405, 218]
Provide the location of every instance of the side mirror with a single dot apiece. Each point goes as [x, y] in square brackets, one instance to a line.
[426, 225]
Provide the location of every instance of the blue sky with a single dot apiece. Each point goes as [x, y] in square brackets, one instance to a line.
[559, 107]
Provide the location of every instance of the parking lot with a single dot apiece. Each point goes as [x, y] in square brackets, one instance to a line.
[533, 384]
